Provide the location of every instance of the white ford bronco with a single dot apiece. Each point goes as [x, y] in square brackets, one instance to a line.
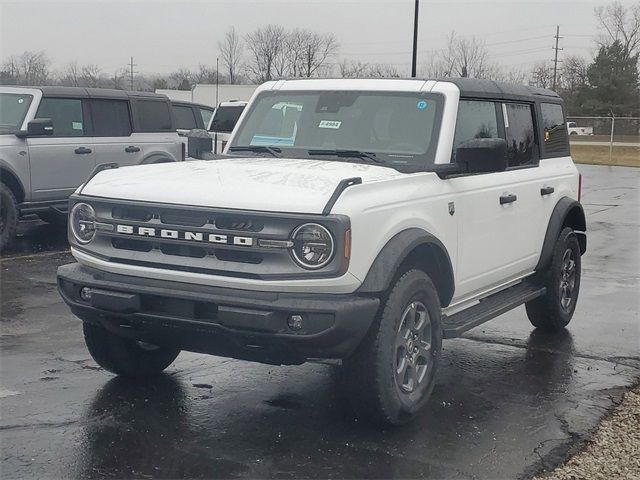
[361, 220]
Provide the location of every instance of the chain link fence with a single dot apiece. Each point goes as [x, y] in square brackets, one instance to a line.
[605, 140]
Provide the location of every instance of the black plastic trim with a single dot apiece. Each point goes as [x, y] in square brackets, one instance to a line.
[341, 187]
[385, 267]
[558, 218]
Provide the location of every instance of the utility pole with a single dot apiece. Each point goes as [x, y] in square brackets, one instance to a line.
[415, 40]
[131, 72]
[555, 59]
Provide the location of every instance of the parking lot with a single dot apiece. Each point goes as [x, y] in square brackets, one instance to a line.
[509, 401]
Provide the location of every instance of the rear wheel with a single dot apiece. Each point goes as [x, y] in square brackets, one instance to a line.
[554, 310]
[391, 375]
[8, 215]
[124, 356]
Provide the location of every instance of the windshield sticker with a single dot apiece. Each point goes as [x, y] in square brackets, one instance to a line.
[421, 105]
[330, 124]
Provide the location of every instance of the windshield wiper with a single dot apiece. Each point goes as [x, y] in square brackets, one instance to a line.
[348, 154]
[274, 151]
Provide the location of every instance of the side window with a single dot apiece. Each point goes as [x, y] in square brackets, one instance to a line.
[110, 118]
[153, 116]
[184, 117]
[206, 116]
[476, 119]
[520, 134]
[555, 130]
[66, 114]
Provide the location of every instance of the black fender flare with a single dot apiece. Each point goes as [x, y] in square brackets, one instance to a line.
[153, 158]
[432, 257]
[567, 212]
[12, 181]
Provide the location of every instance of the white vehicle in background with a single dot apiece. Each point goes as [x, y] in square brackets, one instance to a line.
[223, 121]
[574, 129]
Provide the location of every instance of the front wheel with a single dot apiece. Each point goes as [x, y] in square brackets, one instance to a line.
[391, 375]
[553, 311]
[124, 356]
[8, 216]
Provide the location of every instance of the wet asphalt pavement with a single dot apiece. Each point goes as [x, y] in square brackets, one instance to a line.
[509, 401]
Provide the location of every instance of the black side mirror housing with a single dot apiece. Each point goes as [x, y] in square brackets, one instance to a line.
[483, 155]
[37, 127]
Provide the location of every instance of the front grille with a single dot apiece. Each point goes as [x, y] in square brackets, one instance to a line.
[204, 240]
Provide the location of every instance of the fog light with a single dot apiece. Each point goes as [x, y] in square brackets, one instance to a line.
[295, 322]
[85, 294]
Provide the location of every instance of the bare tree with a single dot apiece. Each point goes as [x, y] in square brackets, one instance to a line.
[182, 79]
[29, 68]
[313, 50]
[573, 74]
[117, 80]
[462, 57]
[91, 75]
[621, 23]
[352, 69]
[231, 52]
[508, 75]
[71, 75]
[266, 47]
[205, 74]
[541, 75]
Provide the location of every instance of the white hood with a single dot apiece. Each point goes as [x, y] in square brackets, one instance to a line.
[267, 184]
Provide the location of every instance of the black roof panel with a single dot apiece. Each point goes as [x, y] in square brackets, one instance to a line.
[481, 88]
[82, 92]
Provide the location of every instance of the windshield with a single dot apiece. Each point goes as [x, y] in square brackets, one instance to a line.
[225, 118]
[13, 108]
[397, 129]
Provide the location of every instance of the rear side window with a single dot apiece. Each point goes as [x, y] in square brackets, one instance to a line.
[476, 119]
[153, 116]
[184, 117]
[520, 134]
[555, 130]
[110, 118]
[206, 115]
[66, 114]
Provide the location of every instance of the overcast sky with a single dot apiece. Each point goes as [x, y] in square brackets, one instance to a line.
[166, 35]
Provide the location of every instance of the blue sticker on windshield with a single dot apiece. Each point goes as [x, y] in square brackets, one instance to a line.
[421, 105]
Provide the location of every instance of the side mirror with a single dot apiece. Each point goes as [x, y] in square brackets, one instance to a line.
[483, 155]
[37, 127]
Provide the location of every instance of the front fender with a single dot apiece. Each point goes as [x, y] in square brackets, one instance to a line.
[432, 253]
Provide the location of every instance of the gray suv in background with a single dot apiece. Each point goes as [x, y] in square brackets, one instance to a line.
[52, 138]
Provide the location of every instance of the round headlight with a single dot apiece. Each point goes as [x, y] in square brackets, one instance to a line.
[313, 245]
[83, 222]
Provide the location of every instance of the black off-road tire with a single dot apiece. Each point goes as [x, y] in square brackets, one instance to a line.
[371, 374]
[8, 216]
[124, 356]
[551, 312]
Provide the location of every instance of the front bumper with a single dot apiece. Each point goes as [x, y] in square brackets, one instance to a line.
[221, 321]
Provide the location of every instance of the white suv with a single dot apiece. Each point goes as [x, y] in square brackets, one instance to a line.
[363, 220]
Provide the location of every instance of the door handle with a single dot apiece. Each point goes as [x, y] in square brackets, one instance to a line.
[547, 191]
[132, 149]
[82, 150]
[509, 198]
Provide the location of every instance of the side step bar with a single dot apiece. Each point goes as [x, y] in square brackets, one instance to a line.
[490, 307]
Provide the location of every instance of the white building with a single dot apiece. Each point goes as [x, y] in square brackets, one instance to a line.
[206, 94]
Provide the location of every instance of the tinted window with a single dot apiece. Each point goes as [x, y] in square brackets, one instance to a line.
[206, 115]
[13, 108]
[110, 118]
[66, 114]
[476, 119]
[153, 116]
[521, 139]
[225, 119]
[555, 130]
[184, 117]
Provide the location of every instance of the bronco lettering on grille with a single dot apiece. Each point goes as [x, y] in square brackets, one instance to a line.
[185, 235]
